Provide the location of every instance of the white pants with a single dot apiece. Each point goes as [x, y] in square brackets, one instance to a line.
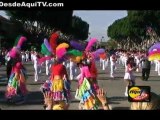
[36, 74]
[104, 64]
[159, 68]
[123, 62]
[23, 59]
[100, 62]
[112, 70]
[156, 66]
[27, 58]
[48, 66]
[119, 60]
[72, 71]
[32, 57]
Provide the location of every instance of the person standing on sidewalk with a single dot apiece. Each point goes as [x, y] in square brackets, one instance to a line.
[146, 66]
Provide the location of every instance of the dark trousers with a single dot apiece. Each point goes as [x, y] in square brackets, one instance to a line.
[145, 73]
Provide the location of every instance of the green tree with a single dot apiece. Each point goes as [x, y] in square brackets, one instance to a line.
[133, 27]
[39, 24]
[80, 28]
[43, 21]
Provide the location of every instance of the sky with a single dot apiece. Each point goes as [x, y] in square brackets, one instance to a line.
[3, 14]
[98, 20]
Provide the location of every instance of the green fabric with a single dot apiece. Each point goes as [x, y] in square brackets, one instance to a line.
[44, 50]
[16, 41]
[84, 87]
[15, 83]
[75, 52]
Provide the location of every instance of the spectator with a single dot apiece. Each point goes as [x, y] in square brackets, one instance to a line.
[146, 66]
[154, 104]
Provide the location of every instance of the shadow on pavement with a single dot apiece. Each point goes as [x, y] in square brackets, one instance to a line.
[33, 98]
[121, 108]
[153, 80]
[118, 98]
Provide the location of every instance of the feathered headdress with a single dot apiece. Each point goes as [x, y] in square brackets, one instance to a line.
[90, 44]
[53, 41]
[15, 51]
[48, 46]
[77, 45]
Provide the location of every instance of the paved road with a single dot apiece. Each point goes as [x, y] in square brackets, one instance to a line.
[114, 87]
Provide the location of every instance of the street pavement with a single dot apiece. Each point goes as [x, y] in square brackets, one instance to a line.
[114, 87]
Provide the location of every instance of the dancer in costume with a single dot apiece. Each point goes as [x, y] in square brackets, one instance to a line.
[58, 85]
[48, 66]
[93, 70]
[37, 66]
[137, 59]
[129, 76]
[103, 59]
[27, 55]
[72, 69]
[51, 47]
[113, 64]
[86, 91]
[17, 81]
[23, 56]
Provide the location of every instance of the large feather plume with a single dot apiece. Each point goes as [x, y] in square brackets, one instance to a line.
[60, 52]
[44, 50]
[47, 45]
[62, 45]
[53, 41]
[97, 53]
[74, 52]
[21, 41]
[90, 44]
[17, 39]
[43, 59]
[14, 52]
[77, 45]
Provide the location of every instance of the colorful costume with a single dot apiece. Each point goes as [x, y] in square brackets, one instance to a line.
[17, 80]
[58, 84]
[86, 91]
[16, 84]
[87, 96]
[93, 71]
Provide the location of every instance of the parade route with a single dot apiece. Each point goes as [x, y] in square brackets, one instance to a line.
[114, 87]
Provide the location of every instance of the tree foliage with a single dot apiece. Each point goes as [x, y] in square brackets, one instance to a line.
[80, 28]
[43, 21]
[112, 44]
[134, 25]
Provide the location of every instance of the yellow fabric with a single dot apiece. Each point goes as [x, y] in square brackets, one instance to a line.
[62, 45]
[57, 85]
[89, 104]
[59, 106]
[76, 59]
[154, 57]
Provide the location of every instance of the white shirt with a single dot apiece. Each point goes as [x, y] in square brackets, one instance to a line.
[113, 62]
[35, 60]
